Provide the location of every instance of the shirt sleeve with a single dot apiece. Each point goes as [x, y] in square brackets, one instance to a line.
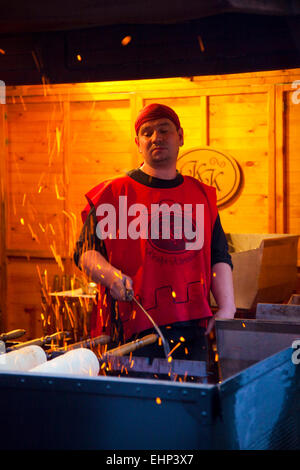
[219, 245]
[88, 239]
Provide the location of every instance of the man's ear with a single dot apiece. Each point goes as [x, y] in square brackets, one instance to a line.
[136, 139]
[181, 138]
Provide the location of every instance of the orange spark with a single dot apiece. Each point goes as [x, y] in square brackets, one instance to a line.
[2, 51]
[23, 104]
[173, 294]
[158, 401]
[22, 221]
[118, 275]
[182, 339]
[79, 58]
[58, 138]
[60, 198]
[175, 347]
[201, 44]
[33, 235]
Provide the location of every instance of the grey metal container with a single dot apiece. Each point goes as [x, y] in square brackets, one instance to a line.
[257, 408]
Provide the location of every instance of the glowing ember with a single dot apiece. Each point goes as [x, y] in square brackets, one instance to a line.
[158, 401]
[173, 294]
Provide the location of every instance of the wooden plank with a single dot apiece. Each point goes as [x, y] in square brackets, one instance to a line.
[280, 163]
[272, 160]
[292, 152]
[136, 103]
[3, 215]
[230, 80]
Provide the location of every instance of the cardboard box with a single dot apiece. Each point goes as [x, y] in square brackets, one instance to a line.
[265, 267]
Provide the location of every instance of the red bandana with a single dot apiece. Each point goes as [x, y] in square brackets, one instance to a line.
[156, 111]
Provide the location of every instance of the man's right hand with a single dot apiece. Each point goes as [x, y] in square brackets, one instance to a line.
[121, 286]
[99, 270]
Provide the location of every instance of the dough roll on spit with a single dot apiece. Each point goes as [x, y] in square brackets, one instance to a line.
[23, 359]
[80, 361]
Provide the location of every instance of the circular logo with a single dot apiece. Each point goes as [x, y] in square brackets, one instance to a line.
[213, 168]
[167, 227]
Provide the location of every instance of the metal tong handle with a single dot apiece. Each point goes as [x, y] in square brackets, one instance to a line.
[129, 295]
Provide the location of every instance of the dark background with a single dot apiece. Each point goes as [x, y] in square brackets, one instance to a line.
[40, 42]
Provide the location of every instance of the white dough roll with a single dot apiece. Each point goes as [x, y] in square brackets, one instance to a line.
[23, 359]
[81, 361]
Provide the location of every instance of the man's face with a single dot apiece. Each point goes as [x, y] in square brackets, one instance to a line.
[159, 142]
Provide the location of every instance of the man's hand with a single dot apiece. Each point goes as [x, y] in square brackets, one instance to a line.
[221, 314]
[99, 270]
[120, 286]
[222, 289]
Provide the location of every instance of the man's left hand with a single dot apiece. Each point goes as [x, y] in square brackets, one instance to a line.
[221, 314]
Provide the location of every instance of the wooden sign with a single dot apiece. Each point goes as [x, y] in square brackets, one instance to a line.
[214, 168]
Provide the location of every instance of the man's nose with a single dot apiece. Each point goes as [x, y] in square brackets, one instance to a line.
[156, 136]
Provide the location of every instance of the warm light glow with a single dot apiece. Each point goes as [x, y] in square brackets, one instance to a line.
[181, 339]
[22, 221]
[158, 401]
[173, 294]
[2, 51]
[170, 359]
[79, 58]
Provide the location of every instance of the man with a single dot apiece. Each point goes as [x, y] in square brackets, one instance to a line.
[170, 269]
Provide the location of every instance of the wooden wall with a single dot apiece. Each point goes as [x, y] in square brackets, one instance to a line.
[59, 141]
